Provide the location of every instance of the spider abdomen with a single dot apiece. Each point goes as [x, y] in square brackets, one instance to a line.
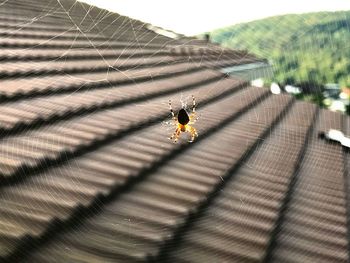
[182, 117]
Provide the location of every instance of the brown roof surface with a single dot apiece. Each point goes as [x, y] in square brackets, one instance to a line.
[88, 174]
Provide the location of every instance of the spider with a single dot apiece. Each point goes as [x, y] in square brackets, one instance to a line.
[183, 121]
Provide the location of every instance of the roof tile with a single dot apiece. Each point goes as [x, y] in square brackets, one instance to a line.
[88, 172]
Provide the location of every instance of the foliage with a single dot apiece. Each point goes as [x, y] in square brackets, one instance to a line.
[307, 48]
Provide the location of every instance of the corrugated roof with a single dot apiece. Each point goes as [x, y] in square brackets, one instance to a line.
[88, 174]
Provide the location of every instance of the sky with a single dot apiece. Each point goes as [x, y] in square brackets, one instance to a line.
[191, 17]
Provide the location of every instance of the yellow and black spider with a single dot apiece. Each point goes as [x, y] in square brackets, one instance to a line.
[183, 122]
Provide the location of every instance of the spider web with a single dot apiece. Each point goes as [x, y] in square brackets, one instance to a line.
[90, 24]
[85, 29]
[81, 28]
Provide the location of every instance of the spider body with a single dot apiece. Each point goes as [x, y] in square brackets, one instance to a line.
[183, 122]
[182, 117]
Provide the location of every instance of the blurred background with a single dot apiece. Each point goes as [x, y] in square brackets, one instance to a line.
[305, 42]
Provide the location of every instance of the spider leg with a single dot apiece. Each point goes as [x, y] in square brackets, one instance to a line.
[172, 112]
[176, 134]
[193, 118]
[193, 115]
[193, 133]
[193, 104]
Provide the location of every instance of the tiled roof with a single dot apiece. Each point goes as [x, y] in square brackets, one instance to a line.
[88, 173]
